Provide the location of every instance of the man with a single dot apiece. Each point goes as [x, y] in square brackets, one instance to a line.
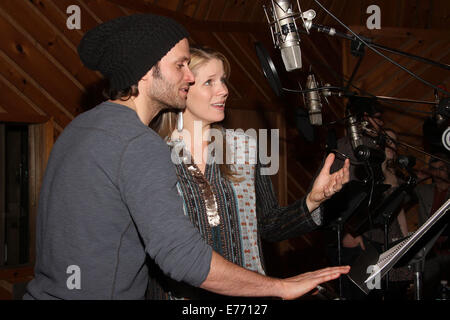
[108, 197]
[430, 198]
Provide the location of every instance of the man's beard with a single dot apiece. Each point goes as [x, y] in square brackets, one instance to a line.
[165, 94]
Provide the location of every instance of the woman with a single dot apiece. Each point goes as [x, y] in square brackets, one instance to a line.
[231, 204]
[399, 227]
[400, 278]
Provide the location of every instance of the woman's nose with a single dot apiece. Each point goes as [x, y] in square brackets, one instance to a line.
[223, 90]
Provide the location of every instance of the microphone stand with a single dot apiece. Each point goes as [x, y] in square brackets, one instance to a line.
[417, 264]
[339, 227]
[394, 201]
[357, 50]
[408, 146]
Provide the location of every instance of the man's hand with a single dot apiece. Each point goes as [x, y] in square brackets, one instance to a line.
[327, 184]
[297, 286]
[227, 278]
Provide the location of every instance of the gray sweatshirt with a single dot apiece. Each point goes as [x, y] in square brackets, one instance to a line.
[108, 198]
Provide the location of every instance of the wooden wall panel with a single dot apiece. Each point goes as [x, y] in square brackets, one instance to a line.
[168, 4]
[34, 92]
[38, 64]
[216, 10]
[187, 7]
[41, 137]
[102, 10]
[17, 103]
[50, 38]
[201, 12]
[58, 18]
[2, 194]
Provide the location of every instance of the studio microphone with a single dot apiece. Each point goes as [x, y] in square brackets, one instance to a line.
[313, 101]
[361, 151]
[285, 34]
[354, 132]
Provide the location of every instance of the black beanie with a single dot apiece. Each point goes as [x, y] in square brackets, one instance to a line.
[126, 48]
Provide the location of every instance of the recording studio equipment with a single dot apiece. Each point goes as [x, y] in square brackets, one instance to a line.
[446, 138]
[365, 153]
[419, 242]
[313, 102]
[269, 70]
[354, 132]
[284, 30]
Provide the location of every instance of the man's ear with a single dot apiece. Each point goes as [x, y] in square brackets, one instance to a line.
[148, 75]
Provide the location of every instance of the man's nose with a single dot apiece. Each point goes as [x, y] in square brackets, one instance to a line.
[189, 76]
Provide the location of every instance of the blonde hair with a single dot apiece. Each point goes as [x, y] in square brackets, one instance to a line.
[165, 123]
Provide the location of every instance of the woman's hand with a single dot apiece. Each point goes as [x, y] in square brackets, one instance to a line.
[327, 184]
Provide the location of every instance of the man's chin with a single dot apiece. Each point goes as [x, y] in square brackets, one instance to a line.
[173, 106]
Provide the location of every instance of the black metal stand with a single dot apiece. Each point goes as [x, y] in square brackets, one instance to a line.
[417, 264]
[386, 244]
[339, 228]
[418, 267]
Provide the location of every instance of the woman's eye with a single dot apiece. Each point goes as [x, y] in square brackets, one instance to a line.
[208, 82]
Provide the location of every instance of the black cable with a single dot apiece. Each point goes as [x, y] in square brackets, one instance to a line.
[372, 186]
[343, 78]
[379, 53]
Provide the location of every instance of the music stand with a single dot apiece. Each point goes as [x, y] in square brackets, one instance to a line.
[379, 265]
[389, 209]
[418, 264]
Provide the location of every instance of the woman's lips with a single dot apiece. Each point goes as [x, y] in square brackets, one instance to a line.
[219, 106]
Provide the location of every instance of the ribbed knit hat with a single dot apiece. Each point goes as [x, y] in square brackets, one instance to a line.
[126, 48]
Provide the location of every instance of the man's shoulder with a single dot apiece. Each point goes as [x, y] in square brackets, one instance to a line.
[114, 120]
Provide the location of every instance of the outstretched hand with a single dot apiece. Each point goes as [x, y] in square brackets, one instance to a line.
[327, 184]
[297, 286]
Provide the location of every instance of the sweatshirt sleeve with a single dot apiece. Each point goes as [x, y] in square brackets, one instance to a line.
[147, 183]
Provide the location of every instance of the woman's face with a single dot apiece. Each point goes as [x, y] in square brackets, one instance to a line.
[206, 98]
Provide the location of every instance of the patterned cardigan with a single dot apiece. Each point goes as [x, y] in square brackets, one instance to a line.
[248, 212]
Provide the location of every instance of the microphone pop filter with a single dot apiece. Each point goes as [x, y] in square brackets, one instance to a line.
[269, 70]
